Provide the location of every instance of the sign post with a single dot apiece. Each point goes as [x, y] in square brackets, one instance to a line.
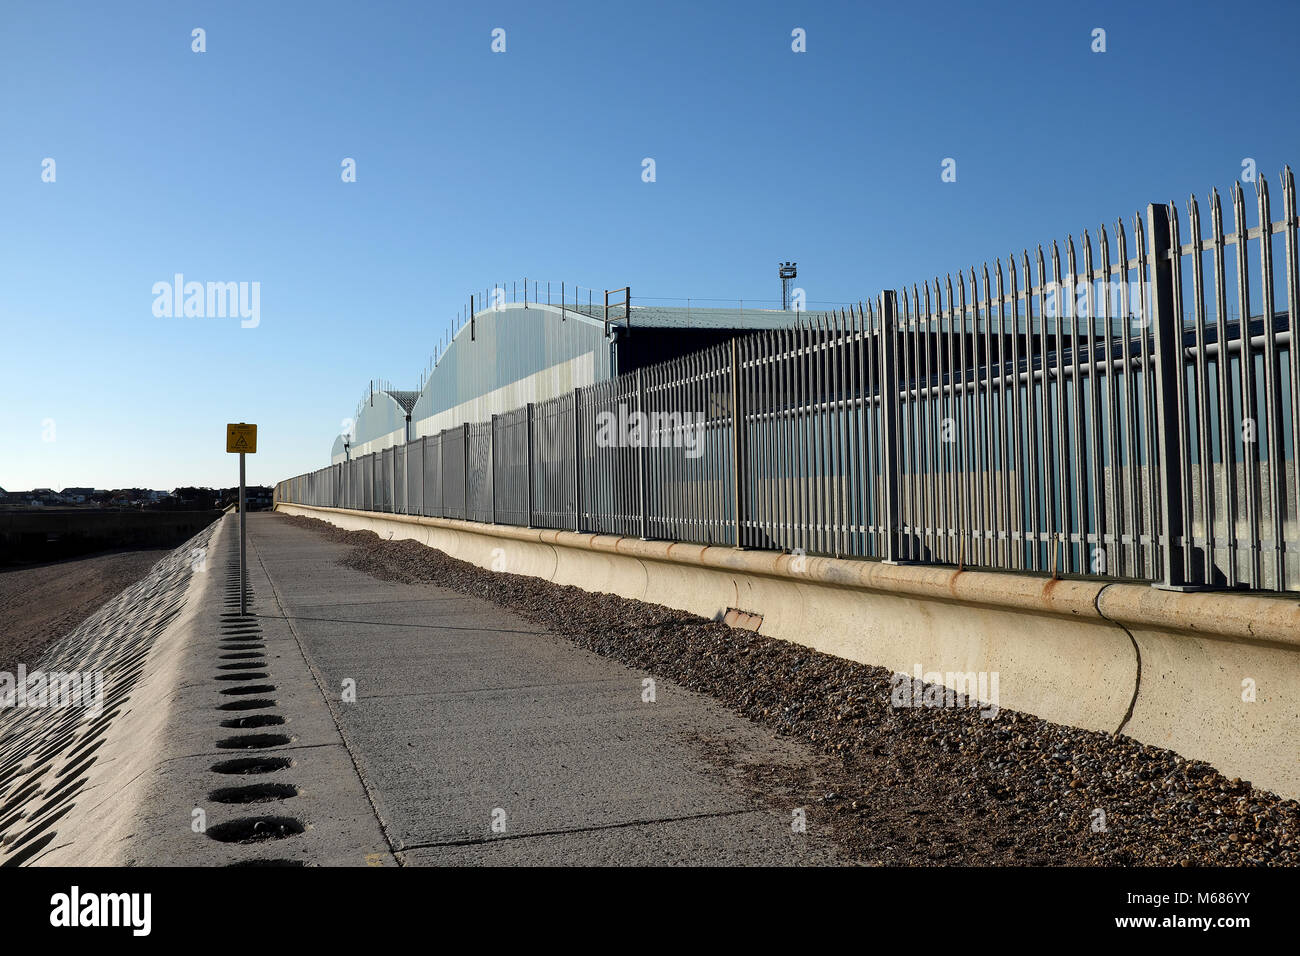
[242, 438]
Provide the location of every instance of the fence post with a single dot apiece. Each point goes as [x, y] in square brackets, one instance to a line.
[1169, 384]
[890, 444]
[528, 457]
[492, 464]
[737, 442]
[464, 460]
[642, 437]
[577, 460]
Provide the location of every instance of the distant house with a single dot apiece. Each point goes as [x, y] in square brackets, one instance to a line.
[78, 495]
[36, 498]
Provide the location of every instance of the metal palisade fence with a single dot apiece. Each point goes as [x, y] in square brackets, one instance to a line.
[1125, 410]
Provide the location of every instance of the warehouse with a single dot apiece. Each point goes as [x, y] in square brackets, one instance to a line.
[518, 352]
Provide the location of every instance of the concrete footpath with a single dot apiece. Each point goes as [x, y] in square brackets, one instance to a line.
[479, 739]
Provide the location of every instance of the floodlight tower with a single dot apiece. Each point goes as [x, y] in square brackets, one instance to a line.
[788, 273]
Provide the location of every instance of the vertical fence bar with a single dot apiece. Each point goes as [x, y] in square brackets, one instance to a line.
[907, 427]
[817, 436]
[1246, 371]
[1097, 477]
[982, 332]
[644, 421]
[1223, 363]
[1060, 543]
[963, 431]
[577, 459]
[889, 440]
[841, 436]
[854, 461]
[802, 371]
[931, 379]
[1153, 556]
[737, 423]
[1272, 430]
[464, 430]
[1204, 424]
[528, 456]
[1077, 450]
[1290, 224]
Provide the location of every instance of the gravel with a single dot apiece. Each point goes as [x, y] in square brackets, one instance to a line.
[910, 786]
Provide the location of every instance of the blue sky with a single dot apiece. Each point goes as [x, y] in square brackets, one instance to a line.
[474, 167]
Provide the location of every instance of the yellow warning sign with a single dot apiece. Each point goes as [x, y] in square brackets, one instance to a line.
[241, 438]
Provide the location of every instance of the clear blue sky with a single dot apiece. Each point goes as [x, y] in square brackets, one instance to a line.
[474, 167]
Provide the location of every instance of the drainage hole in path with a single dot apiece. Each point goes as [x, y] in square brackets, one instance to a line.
[256, 704]
[250, 765]
[254, 720]
[256, 829]
[254, 793]
[253, 741]
[241, 657]
[243, 676]
[242, 666]
[251, 689]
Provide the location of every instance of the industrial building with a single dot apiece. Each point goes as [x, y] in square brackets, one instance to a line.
[516, 352]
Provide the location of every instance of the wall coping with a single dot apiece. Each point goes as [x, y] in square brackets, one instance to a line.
[1249, 618]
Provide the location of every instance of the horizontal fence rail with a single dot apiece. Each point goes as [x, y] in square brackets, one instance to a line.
[1124, 410]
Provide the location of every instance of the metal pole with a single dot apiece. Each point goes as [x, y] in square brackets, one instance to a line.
[737, 451]
[1170, 399]
[243, 544]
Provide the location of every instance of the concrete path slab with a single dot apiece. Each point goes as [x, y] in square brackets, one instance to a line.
[482, 740]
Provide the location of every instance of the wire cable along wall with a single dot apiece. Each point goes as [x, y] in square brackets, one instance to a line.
[1124, 407]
